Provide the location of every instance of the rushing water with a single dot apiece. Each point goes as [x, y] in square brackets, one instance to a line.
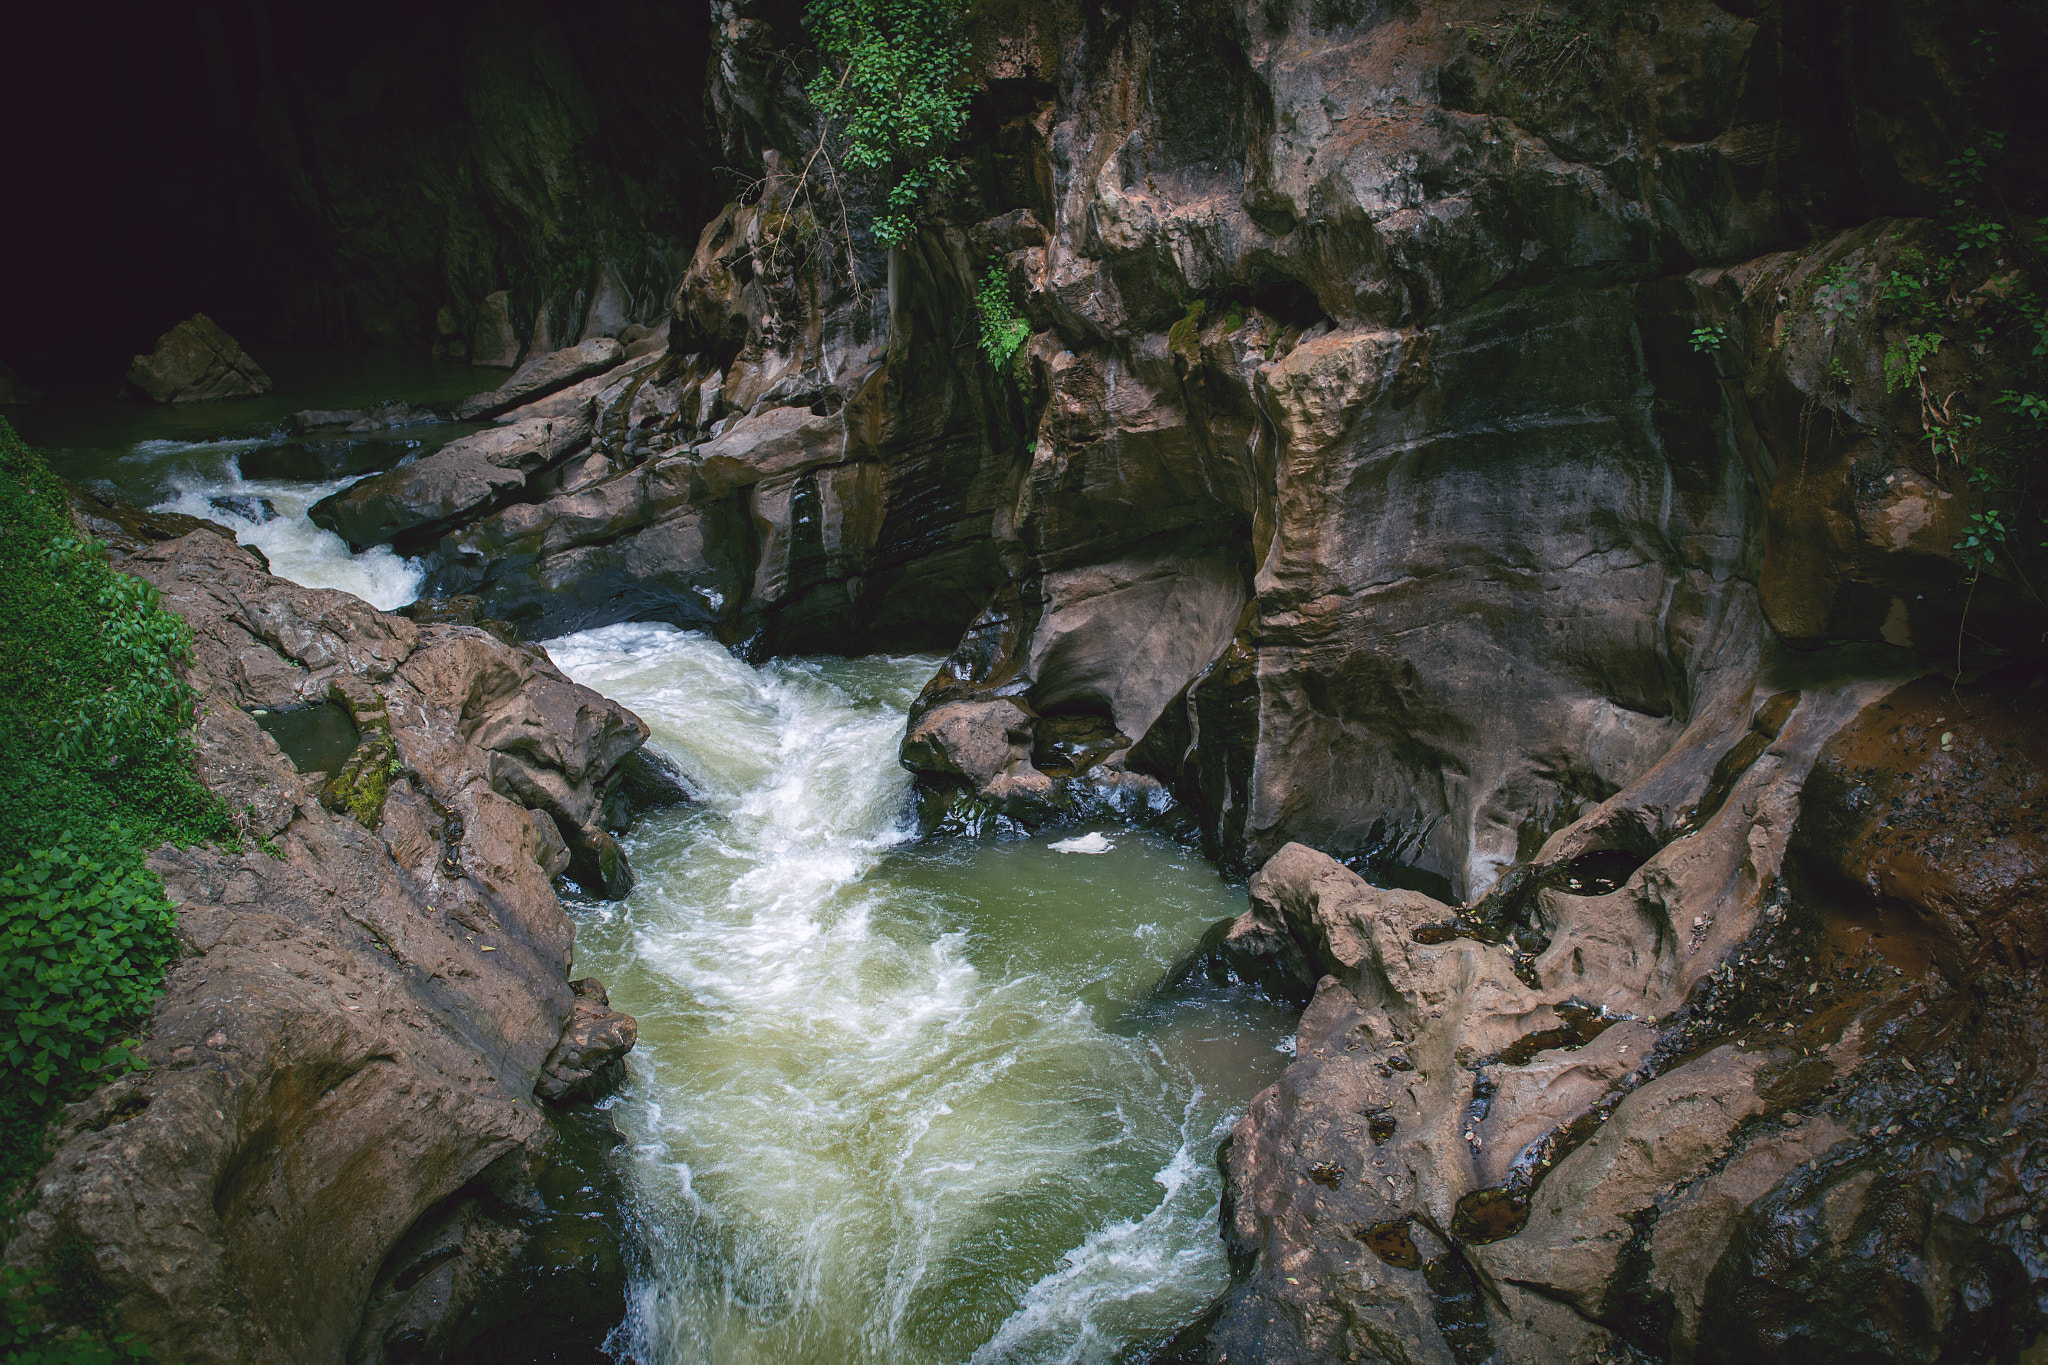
[898, 1101]
[190, 458]
[895, 1101]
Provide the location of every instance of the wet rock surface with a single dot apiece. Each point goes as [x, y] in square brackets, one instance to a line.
[373, 1001]
[1775, 1096]
[1669, 955]
[543, 375]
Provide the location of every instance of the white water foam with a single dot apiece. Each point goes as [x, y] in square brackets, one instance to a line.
[871, 1119]
[296, 548]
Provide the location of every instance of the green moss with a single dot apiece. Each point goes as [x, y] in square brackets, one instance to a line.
[363, 783]
[1184, 333]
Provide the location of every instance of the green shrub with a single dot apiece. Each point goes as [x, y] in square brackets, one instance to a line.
[40, 1325]
[1003, 333]
[892, 81]
[95, 771]
[82, 951]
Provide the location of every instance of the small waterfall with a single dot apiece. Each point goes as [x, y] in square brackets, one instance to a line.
[271, 515]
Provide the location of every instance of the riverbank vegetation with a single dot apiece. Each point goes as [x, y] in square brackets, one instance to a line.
[95, 771]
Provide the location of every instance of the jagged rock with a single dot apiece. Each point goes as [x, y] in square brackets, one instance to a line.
[413, 505]
[357, 1033]
[626, 546]
[649, 780]
[985, 744]
[1654, 1119]
[639, 340]
[194, 362]
[589, 1060]
[494, 341]
[576, 401]
[610, 309]
[541, 376]
[525, 1261]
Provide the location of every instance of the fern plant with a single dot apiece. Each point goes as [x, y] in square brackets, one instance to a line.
[1003, 333]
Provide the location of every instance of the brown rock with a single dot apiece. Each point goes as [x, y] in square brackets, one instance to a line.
[610, 309]
[587, 1062]
[195, 362]
[412, 505]
[357, 1035]
[494, 342]
[543, 375]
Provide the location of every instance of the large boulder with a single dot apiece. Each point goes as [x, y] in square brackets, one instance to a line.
[1704, 1104]
[494, 340]
[195, 362]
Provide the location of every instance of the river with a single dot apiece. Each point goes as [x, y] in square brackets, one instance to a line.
[896, 1099]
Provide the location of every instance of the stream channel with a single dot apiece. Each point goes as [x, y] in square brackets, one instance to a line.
[896, 1099]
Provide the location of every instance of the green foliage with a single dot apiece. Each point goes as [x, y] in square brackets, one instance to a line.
[83, 947]
[1905, 360]
[892, 82]
[1838, 294]
[1003, 333]
[1710, 338]
[50, 1322]
[145, 712]
[1978, 545]
[95, 771]
[1949, 440]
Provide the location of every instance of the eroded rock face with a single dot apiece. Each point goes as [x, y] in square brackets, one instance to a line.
[195, 362]
[411, 505]
[1714, 1113]
[372, 999]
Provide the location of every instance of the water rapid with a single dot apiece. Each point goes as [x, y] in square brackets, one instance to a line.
[897, 1101]
[270, 514]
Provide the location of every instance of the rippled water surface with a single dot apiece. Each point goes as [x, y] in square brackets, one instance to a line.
[895, 1101]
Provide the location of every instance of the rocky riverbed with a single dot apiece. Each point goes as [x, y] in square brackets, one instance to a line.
[1504, 480]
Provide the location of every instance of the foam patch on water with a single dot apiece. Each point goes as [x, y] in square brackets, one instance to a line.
[1094, 842]
[271, 516]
